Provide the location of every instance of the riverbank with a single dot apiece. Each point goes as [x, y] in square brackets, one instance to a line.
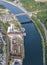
[43, 17]
[42, 38]
[41, 25]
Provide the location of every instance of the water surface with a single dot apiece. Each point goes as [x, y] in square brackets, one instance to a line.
[33, 47]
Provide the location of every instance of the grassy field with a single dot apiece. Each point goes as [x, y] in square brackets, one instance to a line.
[43, 17]
[31, 5]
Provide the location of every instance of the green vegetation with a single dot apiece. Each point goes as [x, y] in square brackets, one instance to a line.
[39, 26]
[11, 0]
[6, 25]
[31, 5]
[2, 27]
[0, 13]
[17, 24]
[42, 34]
[4, 32]
[2, 7]
[43, 17]
[8, 50]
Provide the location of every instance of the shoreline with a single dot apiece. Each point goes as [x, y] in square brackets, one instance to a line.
[43, 46]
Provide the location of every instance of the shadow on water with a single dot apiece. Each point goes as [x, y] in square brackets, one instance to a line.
[26, 22]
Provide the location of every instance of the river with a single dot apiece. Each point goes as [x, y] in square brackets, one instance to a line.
[32, 43]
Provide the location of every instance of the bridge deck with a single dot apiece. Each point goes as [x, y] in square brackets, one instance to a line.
[20, 14]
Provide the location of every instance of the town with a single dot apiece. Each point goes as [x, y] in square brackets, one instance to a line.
[11, 39]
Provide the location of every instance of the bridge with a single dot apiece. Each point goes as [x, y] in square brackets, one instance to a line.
[20, 14]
